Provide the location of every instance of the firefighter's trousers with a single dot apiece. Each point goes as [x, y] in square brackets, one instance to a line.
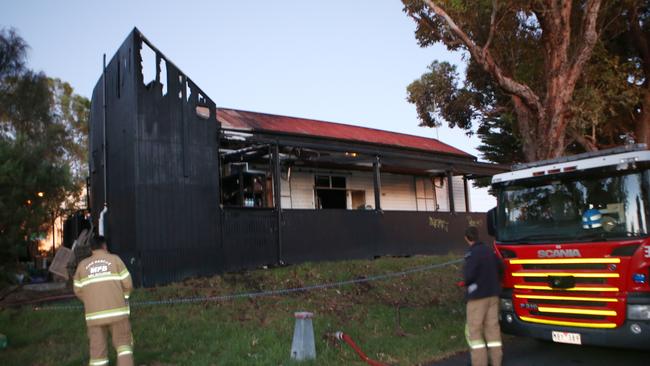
[122, 341]
[482, 331]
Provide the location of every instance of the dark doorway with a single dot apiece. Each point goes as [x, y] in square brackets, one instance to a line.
[331, 198]
[330, 192]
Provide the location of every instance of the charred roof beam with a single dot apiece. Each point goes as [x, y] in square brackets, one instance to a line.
[464, 166]
[246, 153]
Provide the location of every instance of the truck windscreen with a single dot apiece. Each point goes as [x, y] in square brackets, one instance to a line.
[585, 208]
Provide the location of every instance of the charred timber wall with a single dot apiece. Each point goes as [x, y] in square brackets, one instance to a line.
[162, 166]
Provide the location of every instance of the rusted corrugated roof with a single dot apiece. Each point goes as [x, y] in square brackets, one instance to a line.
[254, 121]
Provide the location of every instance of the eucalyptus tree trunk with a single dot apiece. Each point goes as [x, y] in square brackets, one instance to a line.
[542, 119]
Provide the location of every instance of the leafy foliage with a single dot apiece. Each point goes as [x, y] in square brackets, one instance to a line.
[23, 174]
[499, 142]
[517, 93]
[12, 53]
[42, 147]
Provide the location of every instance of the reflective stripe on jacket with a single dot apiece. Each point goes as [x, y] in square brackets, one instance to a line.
[103, 284]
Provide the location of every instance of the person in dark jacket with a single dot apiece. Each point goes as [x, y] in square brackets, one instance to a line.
[482, 277]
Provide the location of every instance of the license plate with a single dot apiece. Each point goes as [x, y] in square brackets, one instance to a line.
[565, 337]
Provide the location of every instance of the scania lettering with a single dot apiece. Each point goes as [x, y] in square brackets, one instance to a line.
[574, 235]
[558, 253]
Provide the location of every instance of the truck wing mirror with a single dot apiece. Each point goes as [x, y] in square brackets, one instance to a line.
[492, 222]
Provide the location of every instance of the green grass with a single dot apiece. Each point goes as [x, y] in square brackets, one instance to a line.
[258, 331]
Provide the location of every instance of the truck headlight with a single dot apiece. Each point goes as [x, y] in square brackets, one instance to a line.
[506, 304]
[638, 312]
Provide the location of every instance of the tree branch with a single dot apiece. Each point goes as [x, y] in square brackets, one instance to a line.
[526, 134]
[493, 26]
[493, 111]
[412, 15]
[485, 59]
[589, 38]
[585, 141]
[424, 20]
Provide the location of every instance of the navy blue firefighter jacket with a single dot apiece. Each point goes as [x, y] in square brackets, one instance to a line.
[482, 272]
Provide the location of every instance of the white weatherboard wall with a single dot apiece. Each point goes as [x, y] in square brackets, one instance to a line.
[398, 192]
[301, 186]
[285, 192]
[362, 181]
[459, 194]
[442, 193]
[424, 194]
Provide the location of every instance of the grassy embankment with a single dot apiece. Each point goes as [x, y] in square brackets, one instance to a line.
[407, 320]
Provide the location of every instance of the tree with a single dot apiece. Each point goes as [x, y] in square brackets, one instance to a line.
[525, 59]
[43, 141]
[72, 111]
[12, 53]
[32, 188]
[627, 40]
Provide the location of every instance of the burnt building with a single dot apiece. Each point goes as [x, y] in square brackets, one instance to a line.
[191, 189]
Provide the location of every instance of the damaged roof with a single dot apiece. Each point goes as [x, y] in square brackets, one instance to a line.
[263, 122]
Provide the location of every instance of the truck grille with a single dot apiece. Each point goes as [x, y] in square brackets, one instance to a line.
[578, 292]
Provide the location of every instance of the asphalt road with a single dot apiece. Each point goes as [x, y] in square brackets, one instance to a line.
[530, 352]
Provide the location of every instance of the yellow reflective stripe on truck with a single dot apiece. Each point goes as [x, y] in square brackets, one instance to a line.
[569, 324]
[565, 261]
[545, 309]
[531, 287]
[572, 274]
[573, 298]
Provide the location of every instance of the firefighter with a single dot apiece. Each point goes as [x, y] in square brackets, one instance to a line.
[103, 284]
[482, 277]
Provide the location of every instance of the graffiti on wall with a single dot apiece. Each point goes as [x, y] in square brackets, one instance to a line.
[474, 222]
[439, 224]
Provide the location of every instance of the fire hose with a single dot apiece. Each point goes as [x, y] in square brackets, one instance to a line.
[347, 339]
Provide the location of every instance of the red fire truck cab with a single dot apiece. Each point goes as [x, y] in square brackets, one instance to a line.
[574, 235]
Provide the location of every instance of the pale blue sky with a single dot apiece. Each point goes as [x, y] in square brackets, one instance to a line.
[335, 60]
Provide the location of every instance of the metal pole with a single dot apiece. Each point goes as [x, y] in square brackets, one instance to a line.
[277, 199]
[53, 232]
[88, 187]
[450, 186]
[104, 130]
[466, 189]
[241, 186]
[376, 165]
[415, 189]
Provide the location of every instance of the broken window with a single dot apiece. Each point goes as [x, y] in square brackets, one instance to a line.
[245, 187]
[330, 192]
[163, 76]
[148, 65]
[246, 175]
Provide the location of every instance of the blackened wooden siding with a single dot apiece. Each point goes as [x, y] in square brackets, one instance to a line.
[163, 170]
[316, 235]
[121, 120]
[250, 238]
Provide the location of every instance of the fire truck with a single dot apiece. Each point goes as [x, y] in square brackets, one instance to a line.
[574, 236]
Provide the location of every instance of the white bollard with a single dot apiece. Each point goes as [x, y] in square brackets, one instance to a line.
[303, 346]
